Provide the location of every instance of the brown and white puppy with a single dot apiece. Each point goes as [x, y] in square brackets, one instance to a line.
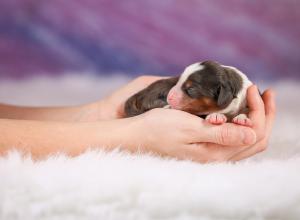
[207, 89]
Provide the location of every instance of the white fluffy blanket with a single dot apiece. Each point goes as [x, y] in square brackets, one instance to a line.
[99, 185]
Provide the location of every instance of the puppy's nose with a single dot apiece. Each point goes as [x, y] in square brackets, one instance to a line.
[172, 99]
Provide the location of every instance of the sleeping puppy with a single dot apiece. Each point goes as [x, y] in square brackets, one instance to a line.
[207, 89]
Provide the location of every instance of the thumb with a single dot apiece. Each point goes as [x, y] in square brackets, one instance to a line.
[229, 134]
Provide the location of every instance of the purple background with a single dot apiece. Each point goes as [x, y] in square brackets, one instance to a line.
[260, 37]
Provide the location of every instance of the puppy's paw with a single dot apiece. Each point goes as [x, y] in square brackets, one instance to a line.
[242, 119]
[216, 118]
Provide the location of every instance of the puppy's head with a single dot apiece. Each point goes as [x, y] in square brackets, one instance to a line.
[204, 88]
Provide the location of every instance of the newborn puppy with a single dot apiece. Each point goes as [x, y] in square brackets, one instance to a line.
[206, 89]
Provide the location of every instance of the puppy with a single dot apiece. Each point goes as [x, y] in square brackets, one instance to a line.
[207, 89]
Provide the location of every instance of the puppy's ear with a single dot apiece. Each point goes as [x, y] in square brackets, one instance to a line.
[225, 96]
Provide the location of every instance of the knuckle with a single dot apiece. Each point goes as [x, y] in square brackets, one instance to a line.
[224, 136]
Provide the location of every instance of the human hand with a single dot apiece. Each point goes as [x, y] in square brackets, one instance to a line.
[178, 134]
[262, 114]
[181, 135]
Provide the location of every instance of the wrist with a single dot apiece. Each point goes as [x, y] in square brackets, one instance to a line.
[119, 133]
[96, 111]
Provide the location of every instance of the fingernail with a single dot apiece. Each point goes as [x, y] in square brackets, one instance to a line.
[249, 137]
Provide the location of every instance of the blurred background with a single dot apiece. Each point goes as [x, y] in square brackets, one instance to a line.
[63, 52]
[68, 52]
[106, 37]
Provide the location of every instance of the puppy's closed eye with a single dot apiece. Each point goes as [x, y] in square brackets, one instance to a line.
[191, 91]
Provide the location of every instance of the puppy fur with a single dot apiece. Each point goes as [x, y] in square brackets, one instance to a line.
[203, 89]
[153, 96]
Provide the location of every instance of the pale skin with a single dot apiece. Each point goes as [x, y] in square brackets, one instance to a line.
[41, 132]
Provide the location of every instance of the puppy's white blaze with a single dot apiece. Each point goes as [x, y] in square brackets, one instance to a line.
[240, 102]
[187, 72]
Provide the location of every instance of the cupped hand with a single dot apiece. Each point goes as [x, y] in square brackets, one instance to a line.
[178, 134]
[262, 114]
[181, 135]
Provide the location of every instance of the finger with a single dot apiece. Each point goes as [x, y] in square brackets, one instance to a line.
[256, 111]
[270, 109]
[227, 134]
[269, 101]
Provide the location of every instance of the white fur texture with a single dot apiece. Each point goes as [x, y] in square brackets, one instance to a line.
[116, 185]
[189, 70]
[239, 103]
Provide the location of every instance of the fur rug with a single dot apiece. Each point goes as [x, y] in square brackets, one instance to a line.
[117, 185]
